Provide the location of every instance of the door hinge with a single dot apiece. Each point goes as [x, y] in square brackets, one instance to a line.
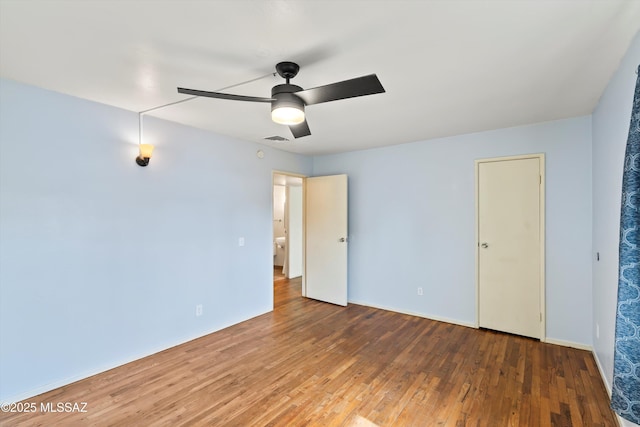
[540, 179]
[541, 317]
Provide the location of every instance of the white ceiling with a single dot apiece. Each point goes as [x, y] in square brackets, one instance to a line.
[448, 67]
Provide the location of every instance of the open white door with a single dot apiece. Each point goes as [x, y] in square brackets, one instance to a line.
[326, 238]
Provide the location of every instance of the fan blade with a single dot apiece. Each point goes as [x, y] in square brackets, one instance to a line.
[222, 95]
[360, 86]
[300, 130]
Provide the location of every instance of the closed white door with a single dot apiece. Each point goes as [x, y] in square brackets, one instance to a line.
[326, 239]
[509, 245]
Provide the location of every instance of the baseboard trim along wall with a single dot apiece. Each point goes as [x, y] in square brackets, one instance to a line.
[468, 324]
[621, 421]
[411, 313]
[568, 344]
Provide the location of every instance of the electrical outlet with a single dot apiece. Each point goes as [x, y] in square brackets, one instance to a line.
[419, 291]
[241, 241]
[199, 310]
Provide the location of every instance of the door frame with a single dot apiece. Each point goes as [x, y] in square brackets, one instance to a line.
[541, 159]
[304, 220]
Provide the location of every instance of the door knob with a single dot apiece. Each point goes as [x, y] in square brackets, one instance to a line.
[342, 240]
[484, 245]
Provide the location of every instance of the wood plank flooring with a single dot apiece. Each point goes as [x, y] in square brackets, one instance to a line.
[314, 364]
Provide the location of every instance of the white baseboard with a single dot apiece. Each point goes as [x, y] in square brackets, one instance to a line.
[621, 421]
[568, 344]
[411, 313]
[563, 343]
[98, 370]
[604, 377]
[625, 423]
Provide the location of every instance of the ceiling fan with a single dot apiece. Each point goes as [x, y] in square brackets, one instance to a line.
[288, 100]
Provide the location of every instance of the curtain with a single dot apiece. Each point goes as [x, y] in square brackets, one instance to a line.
[625, 395]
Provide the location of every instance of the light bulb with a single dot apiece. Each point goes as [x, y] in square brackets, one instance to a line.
[287, 115]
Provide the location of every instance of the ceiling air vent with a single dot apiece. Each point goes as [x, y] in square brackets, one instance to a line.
[276, 138]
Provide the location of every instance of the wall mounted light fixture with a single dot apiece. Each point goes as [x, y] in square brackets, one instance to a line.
[145, 154]
[145, 149]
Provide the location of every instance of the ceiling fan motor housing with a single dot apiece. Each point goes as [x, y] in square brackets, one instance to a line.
[284, 96]
[287, 69]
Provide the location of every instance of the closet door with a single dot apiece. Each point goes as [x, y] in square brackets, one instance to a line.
[509, 245]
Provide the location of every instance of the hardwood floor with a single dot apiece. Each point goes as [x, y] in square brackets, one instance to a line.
[314, 364]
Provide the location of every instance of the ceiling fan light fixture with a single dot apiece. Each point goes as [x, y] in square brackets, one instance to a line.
[287, 115]
[286, 108]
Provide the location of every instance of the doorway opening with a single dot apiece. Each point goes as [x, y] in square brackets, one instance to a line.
[288, 231]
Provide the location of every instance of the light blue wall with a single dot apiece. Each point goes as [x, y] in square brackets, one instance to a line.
[102, 261]
[412, 214]
[610, 129]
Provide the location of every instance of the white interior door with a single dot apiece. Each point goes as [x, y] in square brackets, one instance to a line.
[509, 245]
[326, 239]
